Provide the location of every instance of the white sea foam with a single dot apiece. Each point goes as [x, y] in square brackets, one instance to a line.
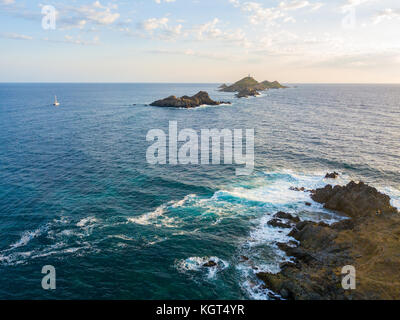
[158, 217]
[265, 234]
[14, 254]
[204, 106]
[256, 289]
[86, 222]
[59, 248]
[27, 237]
[58, 252]
[121, 237]
[394, 195]
[180, 203]
[147, 218]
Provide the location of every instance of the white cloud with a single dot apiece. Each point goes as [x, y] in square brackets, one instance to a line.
[154, 23]
[159, 1]
[235, 3]
[160, 28]
[387, 14]
[211, 31]
[354, 3]
[208, 30]
[15, 36]
[75, 40]
[79, 17]
[99, 14]
[197, 54]
[258, 14]
[7, 2]
[294, 5]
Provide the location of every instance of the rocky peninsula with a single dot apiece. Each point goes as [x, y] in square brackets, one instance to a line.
[248, 86]
[368, 239]
[201, 98]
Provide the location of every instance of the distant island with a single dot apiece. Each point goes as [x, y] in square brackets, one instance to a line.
[367, 239]
[248, 87]
[199, 99]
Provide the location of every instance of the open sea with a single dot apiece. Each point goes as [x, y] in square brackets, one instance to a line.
[77, 193]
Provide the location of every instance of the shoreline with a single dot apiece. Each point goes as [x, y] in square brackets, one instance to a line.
[367, 241]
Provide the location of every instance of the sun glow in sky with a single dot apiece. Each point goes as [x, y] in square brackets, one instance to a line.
[336, 41]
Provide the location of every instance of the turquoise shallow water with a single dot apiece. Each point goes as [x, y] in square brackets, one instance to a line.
[76, 191]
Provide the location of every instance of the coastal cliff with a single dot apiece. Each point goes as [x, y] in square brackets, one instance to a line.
[369, 240]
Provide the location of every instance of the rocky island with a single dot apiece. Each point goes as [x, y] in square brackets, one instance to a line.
[248, 87]
[201, 98]
[368, 239]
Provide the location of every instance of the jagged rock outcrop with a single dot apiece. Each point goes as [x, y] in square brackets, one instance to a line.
[287, 216]
[283, 220]
[332, 175]
[355, 199]
[201, 98]
[248, 86]
[248, 92]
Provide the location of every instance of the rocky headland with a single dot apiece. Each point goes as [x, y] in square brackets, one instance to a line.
[199, 99]
[368, 238]
[248, 87]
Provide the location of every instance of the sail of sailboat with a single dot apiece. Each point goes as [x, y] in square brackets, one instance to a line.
[56, 103]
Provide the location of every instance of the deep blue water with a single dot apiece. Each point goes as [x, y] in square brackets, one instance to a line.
[76, 191]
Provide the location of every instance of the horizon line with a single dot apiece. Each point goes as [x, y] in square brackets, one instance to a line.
[165, 82]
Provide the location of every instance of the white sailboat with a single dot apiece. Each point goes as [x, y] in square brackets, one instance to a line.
[56, 103]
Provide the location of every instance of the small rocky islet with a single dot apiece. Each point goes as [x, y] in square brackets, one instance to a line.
[249, 87]
[368, 238]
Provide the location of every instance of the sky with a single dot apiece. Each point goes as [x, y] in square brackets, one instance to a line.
[292, 41]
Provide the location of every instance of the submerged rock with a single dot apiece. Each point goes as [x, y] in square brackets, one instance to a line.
[201, 98]
[332, 175]
[370, 244]
[210, 264]
[297, 189]
[279, 224]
